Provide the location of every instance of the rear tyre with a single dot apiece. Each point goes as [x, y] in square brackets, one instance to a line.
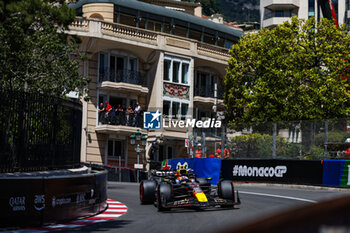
[226, 191]
[147, 191]
[163, 196]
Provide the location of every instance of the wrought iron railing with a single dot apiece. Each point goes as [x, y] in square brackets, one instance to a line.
[123, 76]
[208, 92]
[38, 132]
[121, 118]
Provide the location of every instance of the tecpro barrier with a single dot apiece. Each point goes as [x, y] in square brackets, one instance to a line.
[336, 173]
[273, 170]
[39, 200]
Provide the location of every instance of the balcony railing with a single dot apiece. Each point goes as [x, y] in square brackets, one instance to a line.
[204, 47]
[285, 14]
[208, 92]
[123, 76]
[121, 118]
[99, 28]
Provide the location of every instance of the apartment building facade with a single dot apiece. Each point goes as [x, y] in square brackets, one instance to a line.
[274, 12]
[154, 56]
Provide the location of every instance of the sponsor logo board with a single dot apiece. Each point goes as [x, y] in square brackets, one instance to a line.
[243, 170]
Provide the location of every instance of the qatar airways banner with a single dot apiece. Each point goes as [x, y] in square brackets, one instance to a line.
[273, 170]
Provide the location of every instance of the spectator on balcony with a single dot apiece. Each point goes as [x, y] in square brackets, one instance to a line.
[120, 115]
[129, 115]
[137, 115]
[108, 109]
[112, 116]
[101, 111]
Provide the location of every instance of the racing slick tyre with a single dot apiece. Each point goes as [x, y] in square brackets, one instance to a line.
[147, 191]
[226, 191]
[163, 196]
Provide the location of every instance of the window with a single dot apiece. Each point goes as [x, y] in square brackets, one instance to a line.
[311, 8]
[228, 44]
[184, 73]
[175, 110]
[184, 111]
[116, 148]
[154, 26]
[196, 35]
[210, 39]
[180, 31]
[133, 64]
[114, 66]
[167, 64]
[176, 70]
[166, 108]
[128, 19]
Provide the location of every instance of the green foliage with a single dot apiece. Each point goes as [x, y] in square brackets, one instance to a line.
[260, 146]
[292, 72]
[209, 7]
[35, 53]
[333, 137]
[240, 10]
[314, 153]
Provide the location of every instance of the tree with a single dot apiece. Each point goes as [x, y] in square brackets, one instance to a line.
[35, 52]
[295, 71]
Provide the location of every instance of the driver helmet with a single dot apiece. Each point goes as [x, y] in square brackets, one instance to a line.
[182, 178]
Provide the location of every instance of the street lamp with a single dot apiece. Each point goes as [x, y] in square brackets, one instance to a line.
[137, 138]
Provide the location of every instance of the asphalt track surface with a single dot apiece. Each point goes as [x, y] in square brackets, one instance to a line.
[258, 200]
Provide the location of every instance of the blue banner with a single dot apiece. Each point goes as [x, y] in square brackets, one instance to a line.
[203, 168]
[332, 172]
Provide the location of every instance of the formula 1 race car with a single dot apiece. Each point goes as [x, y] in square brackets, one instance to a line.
[182, 188]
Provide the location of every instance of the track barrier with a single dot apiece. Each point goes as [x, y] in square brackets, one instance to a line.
[37, 200]
[311, 172]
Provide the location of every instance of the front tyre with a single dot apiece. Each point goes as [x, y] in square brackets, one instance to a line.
[226, 191]
[163, 196]
[147, 191]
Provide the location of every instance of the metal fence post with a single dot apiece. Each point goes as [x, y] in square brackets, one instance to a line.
[274, 137]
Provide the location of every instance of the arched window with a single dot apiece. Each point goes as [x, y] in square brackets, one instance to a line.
[96, 16]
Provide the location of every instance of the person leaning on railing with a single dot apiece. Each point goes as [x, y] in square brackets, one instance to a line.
[101, 110]
[137, 115]
[129, 115]
[108, 109]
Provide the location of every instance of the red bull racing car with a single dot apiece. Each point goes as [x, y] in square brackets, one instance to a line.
[182, 188]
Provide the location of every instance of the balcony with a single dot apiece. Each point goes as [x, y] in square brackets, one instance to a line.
[209, 93]
[280, 4]
[122, 80]
[144, 38]
[120, 122]
[206, 95]
[272, 19]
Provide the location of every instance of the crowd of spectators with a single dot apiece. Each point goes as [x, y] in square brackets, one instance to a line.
[120, 115]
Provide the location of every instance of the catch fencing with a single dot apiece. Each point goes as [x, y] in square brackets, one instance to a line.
[308, 139]
[38, 132]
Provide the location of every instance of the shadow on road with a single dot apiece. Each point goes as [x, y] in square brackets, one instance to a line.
[100, 227]
[187, 210]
